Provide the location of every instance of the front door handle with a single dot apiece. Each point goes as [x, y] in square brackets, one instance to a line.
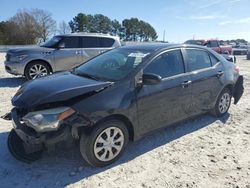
[78, 52]
[219, 73]
[186, 83]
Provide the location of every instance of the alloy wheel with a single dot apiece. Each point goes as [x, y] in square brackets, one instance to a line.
[37, 70]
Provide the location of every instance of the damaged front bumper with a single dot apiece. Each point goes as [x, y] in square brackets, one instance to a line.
[26, 144]
[30, 136]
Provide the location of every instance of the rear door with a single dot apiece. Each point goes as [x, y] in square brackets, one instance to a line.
[206, 73]
[93, 46]
[169, 101]
[69, 56]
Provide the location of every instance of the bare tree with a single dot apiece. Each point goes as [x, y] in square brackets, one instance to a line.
[64, 28]
[25, 28]
[46, 25]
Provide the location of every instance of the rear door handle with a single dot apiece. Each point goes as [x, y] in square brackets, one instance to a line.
[186, 83]
[219, 73]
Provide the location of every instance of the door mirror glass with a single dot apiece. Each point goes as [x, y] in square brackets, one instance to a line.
[61, 45]
[151, 79]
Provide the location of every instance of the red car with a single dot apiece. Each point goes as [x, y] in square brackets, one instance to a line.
[216, 46]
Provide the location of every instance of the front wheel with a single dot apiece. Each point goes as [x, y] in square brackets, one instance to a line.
[105, 143]
[36, 70]
[223, 103]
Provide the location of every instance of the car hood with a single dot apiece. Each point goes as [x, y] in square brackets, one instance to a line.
[57, 87]
[25, 50]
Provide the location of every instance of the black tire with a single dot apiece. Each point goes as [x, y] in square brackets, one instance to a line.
[28, 70]
[217, 110]
[16, 148]
[88, 143]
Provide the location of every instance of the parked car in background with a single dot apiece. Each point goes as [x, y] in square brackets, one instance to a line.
[118, 96]
[248, 54]
[240, 50]
[195, 42]
[62, 52]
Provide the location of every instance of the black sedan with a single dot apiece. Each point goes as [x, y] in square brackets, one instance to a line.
[119, 96]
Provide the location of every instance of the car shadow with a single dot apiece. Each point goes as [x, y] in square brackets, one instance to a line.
[12, 81]
[65, 166]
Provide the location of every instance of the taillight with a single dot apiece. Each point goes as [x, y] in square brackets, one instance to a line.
[237, 69]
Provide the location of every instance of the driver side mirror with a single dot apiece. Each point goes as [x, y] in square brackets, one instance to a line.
[61, 45]
[151, 79]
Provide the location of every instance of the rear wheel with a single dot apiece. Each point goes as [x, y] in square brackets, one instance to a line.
[16, 148]
[223, 103]
[36, 69]
[105, 143]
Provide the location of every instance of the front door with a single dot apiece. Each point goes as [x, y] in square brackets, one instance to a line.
[70, 56]
[168, 102]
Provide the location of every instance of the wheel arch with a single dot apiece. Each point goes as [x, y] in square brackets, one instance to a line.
[39, 60]
[230, 87]
[123, 119]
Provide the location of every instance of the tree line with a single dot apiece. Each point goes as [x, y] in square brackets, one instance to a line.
[36, 26]
[130, 29]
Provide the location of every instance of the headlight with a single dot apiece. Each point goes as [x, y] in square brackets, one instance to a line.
[47, 120]
[18, 58]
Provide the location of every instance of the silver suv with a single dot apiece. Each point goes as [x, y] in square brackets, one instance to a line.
[62, 52]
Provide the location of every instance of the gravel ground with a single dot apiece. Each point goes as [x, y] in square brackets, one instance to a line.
[205, 152]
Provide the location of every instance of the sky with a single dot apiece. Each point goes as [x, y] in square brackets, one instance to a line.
[181, 19]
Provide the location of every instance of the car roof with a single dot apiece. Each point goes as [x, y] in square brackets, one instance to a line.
[160, 46]
[88, 35]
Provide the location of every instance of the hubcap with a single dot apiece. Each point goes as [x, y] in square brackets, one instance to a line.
[224, 103]
[108, 144]
[37, 71]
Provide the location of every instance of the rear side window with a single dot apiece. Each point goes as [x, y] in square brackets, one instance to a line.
[106, 42]
[90, 42]
[167, 64]
[71, 42]
[197, 59]
[214, 60]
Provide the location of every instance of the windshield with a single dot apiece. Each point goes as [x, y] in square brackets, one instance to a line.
[113, 65]
[52, 42]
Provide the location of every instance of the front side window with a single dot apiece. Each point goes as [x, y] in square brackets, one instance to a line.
[52, 42]
[167, 65]
[113, 65]
[71, 42]
[197, 59]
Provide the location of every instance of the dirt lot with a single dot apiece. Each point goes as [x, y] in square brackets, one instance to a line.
[205, 152]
